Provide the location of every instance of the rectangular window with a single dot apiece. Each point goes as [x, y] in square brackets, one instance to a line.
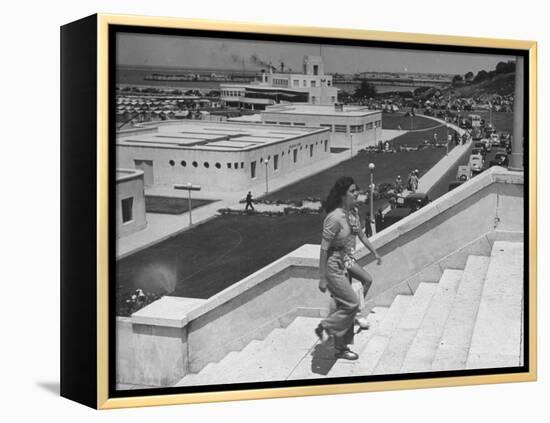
[326, 146]
[313, 99]
[296, 83]
[270, 123]
[229, 165]
[356, 128]
[253, 169]
[311, 150]
[313, 84]
[235, 165]
[327, 125]
[284, 123]
[276, 162]
[305, 83]
[340, 128]
[299, 124]
[127, 209]
[295, 155]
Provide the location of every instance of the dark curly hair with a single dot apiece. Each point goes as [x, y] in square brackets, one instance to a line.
[338, 190]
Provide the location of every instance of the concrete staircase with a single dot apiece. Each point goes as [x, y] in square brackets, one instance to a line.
[471, 319]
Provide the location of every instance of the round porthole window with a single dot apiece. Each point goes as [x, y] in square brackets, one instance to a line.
[195, 164]
[218, 166]
[172, 162]
[206, 165]
[183, 163]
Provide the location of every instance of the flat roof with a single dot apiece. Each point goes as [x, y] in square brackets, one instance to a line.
[320, 110]
[127, 174]
[214, 136]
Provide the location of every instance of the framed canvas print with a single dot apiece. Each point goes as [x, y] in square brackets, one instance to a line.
[254, 211]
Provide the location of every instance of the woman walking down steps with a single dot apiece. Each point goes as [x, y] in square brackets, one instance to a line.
[340, 227]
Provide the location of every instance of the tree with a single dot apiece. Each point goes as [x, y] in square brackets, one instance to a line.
[482, 75]
[457, 78]
[364, 90]
[507, 67]
[469, 76]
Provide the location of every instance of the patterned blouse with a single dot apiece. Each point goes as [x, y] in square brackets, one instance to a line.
[339, 231]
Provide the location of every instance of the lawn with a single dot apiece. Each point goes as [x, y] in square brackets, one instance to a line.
[387, 167]
[210, 257]
[171, 205]
[396, 120]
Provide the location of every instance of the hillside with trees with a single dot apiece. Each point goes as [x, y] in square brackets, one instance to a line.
[498, 81]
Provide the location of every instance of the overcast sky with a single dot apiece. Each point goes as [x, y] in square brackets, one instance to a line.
[161, 50]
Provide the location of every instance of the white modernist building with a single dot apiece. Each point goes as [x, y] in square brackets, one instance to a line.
[219, 156]
[312, 86]
[349, 126]
[130, 202]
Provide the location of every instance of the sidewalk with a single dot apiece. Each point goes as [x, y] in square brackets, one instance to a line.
[163, 226]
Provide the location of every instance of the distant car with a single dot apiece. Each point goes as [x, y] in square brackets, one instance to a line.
[482, 147]
[393, 216]
[464, 173]
[476, 162]
[477, 152]
[501, 159]
[494, 139]
[504, 136]
[416, 201]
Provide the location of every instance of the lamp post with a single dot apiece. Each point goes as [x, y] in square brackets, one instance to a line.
[189, 187]
[266, 177]
[371, 168]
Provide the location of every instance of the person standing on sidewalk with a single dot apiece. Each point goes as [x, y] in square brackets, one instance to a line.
[340, 227]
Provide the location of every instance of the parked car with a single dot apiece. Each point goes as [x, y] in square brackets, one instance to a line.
[476, 162]
[464, 173]
[501, 159]
[405, 206]
[416, 201]
[391, 217]
[482, 147]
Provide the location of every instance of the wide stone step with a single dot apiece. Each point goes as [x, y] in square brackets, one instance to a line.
[392, 358]
[273, 358]
[453, 347]
[320, 361]
[422, 350]
[496, 340]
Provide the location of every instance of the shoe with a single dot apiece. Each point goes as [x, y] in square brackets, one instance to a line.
[322, 334]
[346, 354]
[363, 323]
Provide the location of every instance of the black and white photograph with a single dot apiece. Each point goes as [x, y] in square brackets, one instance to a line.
[305, 211]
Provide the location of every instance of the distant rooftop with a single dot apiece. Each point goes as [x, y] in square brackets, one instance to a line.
[321, 110]
[214, 136]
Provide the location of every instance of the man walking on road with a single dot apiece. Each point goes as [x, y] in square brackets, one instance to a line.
[249, 201]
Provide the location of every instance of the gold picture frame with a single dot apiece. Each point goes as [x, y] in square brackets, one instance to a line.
[97, 394]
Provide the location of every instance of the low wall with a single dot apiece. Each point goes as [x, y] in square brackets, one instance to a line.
[165, 343]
